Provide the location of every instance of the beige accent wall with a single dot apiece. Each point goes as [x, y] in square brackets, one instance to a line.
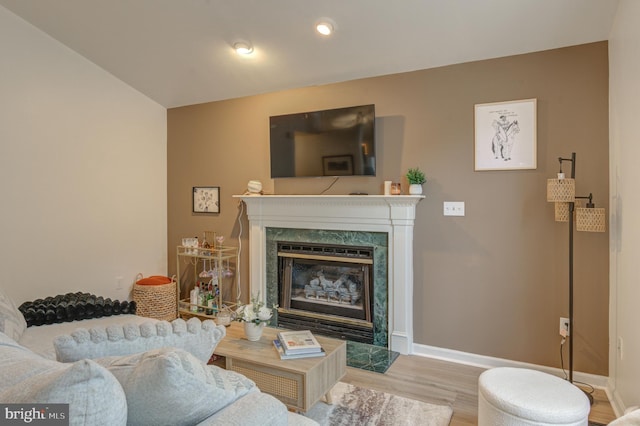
[493, 282]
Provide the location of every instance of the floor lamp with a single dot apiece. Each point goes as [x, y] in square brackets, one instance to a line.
[562, 192]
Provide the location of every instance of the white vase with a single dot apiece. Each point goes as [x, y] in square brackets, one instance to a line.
[415, 189]
[253, 331]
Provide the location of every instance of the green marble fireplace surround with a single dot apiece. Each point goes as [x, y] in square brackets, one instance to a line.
[377, 240]
[380, 221]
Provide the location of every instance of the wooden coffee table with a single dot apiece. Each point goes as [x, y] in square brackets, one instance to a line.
[298, 383]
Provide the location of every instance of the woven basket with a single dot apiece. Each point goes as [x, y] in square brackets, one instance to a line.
[156, 301]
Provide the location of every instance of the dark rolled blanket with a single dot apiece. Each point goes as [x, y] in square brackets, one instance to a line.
[72, 307]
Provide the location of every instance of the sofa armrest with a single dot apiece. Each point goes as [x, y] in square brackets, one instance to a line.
[628, 419]
[299, 420]
[255, 408]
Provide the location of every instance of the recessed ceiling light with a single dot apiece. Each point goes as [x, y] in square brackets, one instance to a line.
[325, 26]
[243, 47]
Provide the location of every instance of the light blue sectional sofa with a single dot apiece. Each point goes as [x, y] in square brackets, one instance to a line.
[129, 370]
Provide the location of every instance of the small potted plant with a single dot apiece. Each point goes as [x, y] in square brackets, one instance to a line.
[255, 316]
[416, 178]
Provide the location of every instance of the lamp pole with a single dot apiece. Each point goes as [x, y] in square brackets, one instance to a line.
[585, 222]
[572, 206]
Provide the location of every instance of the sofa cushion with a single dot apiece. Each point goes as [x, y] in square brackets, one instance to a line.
[94, 395]
[197, 337]
[40, 339]
[156, 380]
[12, 322]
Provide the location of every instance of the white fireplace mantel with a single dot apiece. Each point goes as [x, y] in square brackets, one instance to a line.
[393, 215]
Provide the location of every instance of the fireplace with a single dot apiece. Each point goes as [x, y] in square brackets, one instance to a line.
[349, 220]
[326, 288]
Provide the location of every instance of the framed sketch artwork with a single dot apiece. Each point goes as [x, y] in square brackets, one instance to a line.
[505, 135]
[206, 199]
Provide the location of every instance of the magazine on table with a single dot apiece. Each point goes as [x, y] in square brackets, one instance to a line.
[300, 341]
[283, 355]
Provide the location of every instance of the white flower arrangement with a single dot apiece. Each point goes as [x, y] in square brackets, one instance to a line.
[255, 312]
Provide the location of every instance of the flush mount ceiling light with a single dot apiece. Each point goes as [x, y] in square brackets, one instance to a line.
[243, 47]
[325, 26]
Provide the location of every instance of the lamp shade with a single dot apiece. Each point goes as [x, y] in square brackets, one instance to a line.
[561, 190]
[590, 219]
[562, 212]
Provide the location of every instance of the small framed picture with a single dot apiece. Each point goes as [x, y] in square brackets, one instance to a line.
[505, 135]
[337, 165]
[206, 199]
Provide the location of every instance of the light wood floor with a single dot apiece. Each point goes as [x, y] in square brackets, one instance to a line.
[446, 383]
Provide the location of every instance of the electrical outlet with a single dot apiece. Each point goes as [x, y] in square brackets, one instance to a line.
[565, 329]
[118, 283]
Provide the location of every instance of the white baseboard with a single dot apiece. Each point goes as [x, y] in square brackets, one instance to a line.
[616, 401]
[483, 361]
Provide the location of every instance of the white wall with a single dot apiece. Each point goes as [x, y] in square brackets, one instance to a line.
[82, 172]
[624, 55]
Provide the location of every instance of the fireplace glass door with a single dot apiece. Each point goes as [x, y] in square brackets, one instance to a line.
[329, 286]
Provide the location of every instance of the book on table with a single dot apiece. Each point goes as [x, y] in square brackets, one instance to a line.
[298, 342]
[284, 355]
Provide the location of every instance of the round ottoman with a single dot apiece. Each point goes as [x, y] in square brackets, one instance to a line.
[518, 396]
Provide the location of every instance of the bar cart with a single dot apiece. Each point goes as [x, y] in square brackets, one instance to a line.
[209, 266]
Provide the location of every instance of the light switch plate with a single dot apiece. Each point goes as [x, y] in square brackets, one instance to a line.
[454, 208]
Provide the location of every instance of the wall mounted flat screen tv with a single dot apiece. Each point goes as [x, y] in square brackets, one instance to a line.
[334, 142]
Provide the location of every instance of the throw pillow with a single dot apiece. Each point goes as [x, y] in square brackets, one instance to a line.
[171, 387]
[197, 337]
[94, 395]
[154, 280]
[12, 322]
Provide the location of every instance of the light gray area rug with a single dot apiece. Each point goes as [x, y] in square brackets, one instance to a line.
[354, 405]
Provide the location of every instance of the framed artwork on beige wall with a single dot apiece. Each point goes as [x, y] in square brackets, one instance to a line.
[505, 135]
[206, 199]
